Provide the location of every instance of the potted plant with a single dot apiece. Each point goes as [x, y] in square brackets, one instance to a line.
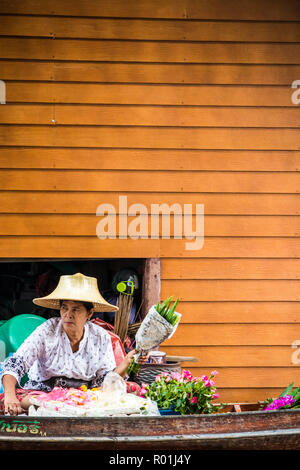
[182, 393]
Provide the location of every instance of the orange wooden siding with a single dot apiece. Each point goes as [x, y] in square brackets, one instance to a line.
[179, 101]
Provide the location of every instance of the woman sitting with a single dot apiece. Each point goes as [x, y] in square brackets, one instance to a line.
[67, 351]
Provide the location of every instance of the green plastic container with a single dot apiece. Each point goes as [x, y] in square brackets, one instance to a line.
[14, 331]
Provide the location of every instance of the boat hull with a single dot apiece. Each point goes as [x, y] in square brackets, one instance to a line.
[245, 430]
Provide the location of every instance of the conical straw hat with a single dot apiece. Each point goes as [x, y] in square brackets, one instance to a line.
[78, 288]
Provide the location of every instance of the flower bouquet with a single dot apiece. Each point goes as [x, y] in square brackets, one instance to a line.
[159, 324]
[183, 393]
[289, 398]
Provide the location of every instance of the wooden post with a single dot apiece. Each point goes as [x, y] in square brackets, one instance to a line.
[151, 284]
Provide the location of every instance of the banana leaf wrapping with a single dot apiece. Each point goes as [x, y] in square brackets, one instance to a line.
[153, 331]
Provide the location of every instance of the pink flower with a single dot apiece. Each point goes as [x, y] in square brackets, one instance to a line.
[175, 375]
[204, 378]
[209, 383]
[215, 395]
[143, 390]
[214, 372]
[186, 374]
[194, 400]
[168, 378]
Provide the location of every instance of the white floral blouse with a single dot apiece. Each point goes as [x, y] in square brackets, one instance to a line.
[47, 353]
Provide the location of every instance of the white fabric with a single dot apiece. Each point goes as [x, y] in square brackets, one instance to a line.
[47, 353]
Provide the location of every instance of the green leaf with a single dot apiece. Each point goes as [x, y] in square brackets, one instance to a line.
[287, 390]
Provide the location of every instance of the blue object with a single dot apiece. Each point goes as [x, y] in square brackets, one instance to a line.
[168, 411]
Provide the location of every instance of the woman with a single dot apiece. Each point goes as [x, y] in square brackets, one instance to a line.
[64, 351]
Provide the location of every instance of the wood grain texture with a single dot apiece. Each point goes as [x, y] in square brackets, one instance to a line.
[216, 9]
[86, 202]
[144, 51]
[143, 29]
[228, 74]
[233, 290]
[150, 181]
[153, 137]
[179, 95]
[234, 356]
[239, 312]
[92, 247]
[168, 116]
[234, 335]
[231, 268]
[216, 226]
[149, 159]
[68, 49]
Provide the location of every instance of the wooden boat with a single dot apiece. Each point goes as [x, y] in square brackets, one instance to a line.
[238, 427]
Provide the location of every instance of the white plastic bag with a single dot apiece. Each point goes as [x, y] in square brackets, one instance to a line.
[153, 331]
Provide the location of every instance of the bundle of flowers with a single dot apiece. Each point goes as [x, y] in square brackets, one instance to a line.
[289, 398]
[183, 392]
[159, 324]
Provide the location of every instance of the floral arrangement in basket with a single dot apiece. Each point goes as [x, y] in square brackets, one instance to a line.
[289, 398]
[159, 324]
[183, 392]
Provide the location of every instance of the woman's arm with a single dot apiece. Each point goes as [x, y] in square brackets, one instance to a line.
[11, 403]
[122, 368]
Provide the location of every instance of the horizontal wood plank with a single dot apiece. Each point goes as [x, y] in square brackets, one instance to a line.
[239, 312]
[92, 247]
[232, 290]
[171, 116]
[229, 268]
[86, 202]
[233, 335]
[183, 95]
[216, 226]
[248, 395]
[152, 137]
[149, 159]
[117, 28]
[234, 74]
[254, 377]
[216, 9]
[150, 181]
[236, 356]
[144, 51]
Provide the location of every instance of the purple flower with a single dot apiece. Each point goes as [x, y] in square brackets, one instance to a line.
[280, 403]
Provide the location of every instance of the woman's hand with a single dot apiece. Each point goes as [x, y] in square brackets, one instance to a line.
[12, 405]
[122, 368]
[143, 358]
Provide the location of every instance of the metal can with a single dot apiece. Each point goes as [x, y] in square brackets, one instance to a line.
[157, 357]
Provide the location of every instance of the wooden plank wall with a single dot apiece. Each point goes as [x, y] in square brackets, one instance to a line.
[175, 101]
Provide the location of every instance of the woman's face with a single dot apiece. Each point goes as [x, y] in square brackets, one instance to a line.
[74, 316]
